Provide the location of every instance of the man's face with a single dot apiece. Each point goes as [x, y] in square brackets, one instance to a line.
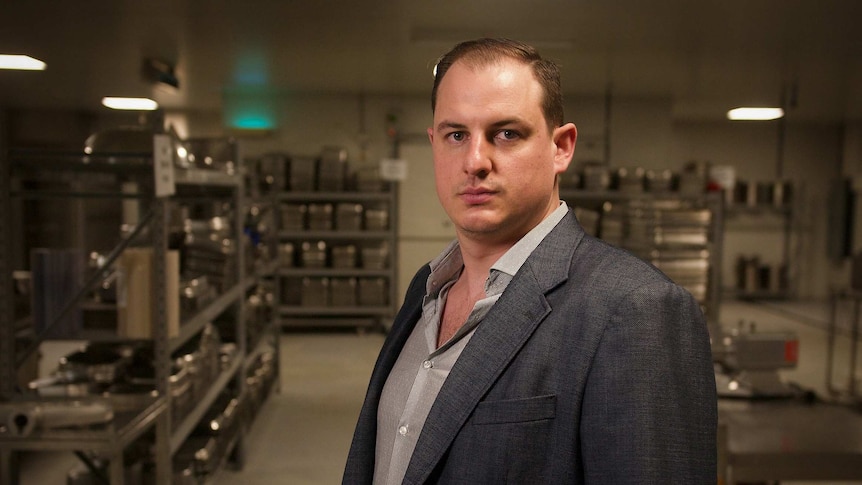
[495, 161]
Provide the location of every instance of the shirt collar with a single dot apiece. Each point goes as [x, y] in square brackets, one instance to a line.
[515, 257]
[449, 263]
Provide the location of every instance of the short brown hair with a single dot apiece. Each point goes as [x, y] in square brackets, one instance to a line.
[482, 52]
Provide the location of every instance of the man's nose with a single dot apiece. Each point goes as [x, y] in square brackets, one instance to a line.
[478, 159]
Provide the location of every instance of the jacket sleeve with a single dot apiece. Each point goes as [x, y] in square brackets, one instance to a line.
[649, 412]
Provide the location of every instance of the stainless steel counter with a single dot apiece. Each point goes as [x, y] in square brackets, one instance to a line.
[789, 440]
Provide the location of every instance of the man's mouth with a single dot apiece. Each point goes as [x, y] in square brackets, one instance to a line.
[476, 195]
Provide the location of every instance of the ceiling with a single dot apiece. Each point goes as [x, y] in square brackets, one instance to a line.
[705, 56]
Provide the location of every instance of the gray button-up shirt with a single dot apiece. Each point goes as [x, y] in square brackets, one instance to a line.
[422, 368]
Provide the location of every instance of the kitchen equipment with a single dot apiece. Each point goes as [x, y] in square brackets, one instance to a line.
[693, 178]
[368, 179]
[596, 176]
[659, 181]
[212, 153]
[750, 361]
[271, 172]
[332, 169]
[121, 140]
[85, 372]
[344, 257]
[286, 255]
[315, 292]
[213, 257]
[294, 217]
[180, 387]
[375, 256]
[376, 219]
[348, 216]
[314, 254]
[630, 180]
[302, 174]
[782, 193]
[372, 292]
[195, 295]
[746, 273]
[320, 217]
[343, 292]
[21, 419]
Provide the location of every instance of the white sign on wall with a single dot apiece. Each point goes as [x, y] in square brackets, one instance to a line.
[163, 165]
[393, 169]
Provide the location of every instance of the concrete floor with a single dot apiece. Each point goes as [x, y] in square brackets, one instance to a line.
[303, 432]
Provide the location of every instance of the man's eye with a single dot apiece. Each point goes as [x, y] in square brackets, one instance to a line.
[508, 134]
[457, 136]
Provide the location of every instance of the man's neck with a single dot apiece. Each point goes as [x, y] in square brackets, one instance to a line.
[478, 258]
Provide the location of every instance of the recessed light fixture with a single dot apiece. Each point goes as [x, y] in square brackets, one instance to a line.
[20, 62]
[138, 104]
[755, 113]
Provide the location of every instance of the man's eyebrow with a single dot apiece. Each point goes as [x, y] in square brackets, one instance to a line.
[460, 126]
[450, 124]
[507, 122]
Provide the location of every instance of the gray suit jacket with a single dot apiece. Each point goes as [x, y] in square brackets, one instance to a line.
[592, 367]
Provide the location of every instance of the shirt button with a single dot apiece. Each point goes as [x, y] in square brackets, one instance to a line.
[427, 364]
[402, 430]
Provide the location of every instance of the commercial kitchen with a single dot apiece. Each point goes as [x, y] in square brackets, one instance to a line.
[195, 287]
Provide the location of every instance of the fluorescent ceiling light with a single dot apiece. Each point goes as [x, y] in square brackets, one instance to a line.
[753, 114]
[140, 104]
[23, 63]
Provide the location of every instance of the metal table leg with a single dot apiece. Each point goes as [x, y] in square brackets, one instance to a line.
[854, 339]
[8, 468]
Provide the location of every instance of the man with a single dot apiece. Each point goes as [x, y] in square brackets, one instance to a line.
[528, 351]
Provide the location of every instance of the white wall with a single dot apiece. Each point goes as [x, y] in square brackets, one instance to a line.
[811, 163]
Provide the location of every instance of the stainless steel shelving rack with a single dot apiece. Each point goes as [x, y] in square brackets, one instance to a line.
[764, 219]
[711, 201]
[358, 316]
[113, 438]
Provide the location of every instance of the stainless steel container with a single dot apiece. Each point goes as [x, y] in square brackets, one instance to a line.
[344, 257]
[343, 292]
[320, 217]
[376, 219]
[294, 217]
[314, 254]
[315, 292]
[596, 177]
[372, 292]
[286, 255]
[375, 257]
[659, 181]
[630, 180]
[332, 169]
[348, 217]
[302, 174]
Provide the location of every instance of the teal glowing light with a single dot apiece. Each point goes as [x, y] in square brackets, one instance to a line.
[250, 103]
[250, 108]
[252, 122]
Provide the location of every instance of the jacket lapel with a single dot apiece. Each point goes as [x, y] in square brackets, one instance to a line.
[503, 332]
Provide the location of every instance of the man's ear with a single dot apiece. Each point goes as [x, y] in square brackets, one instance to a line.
[565, 138]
